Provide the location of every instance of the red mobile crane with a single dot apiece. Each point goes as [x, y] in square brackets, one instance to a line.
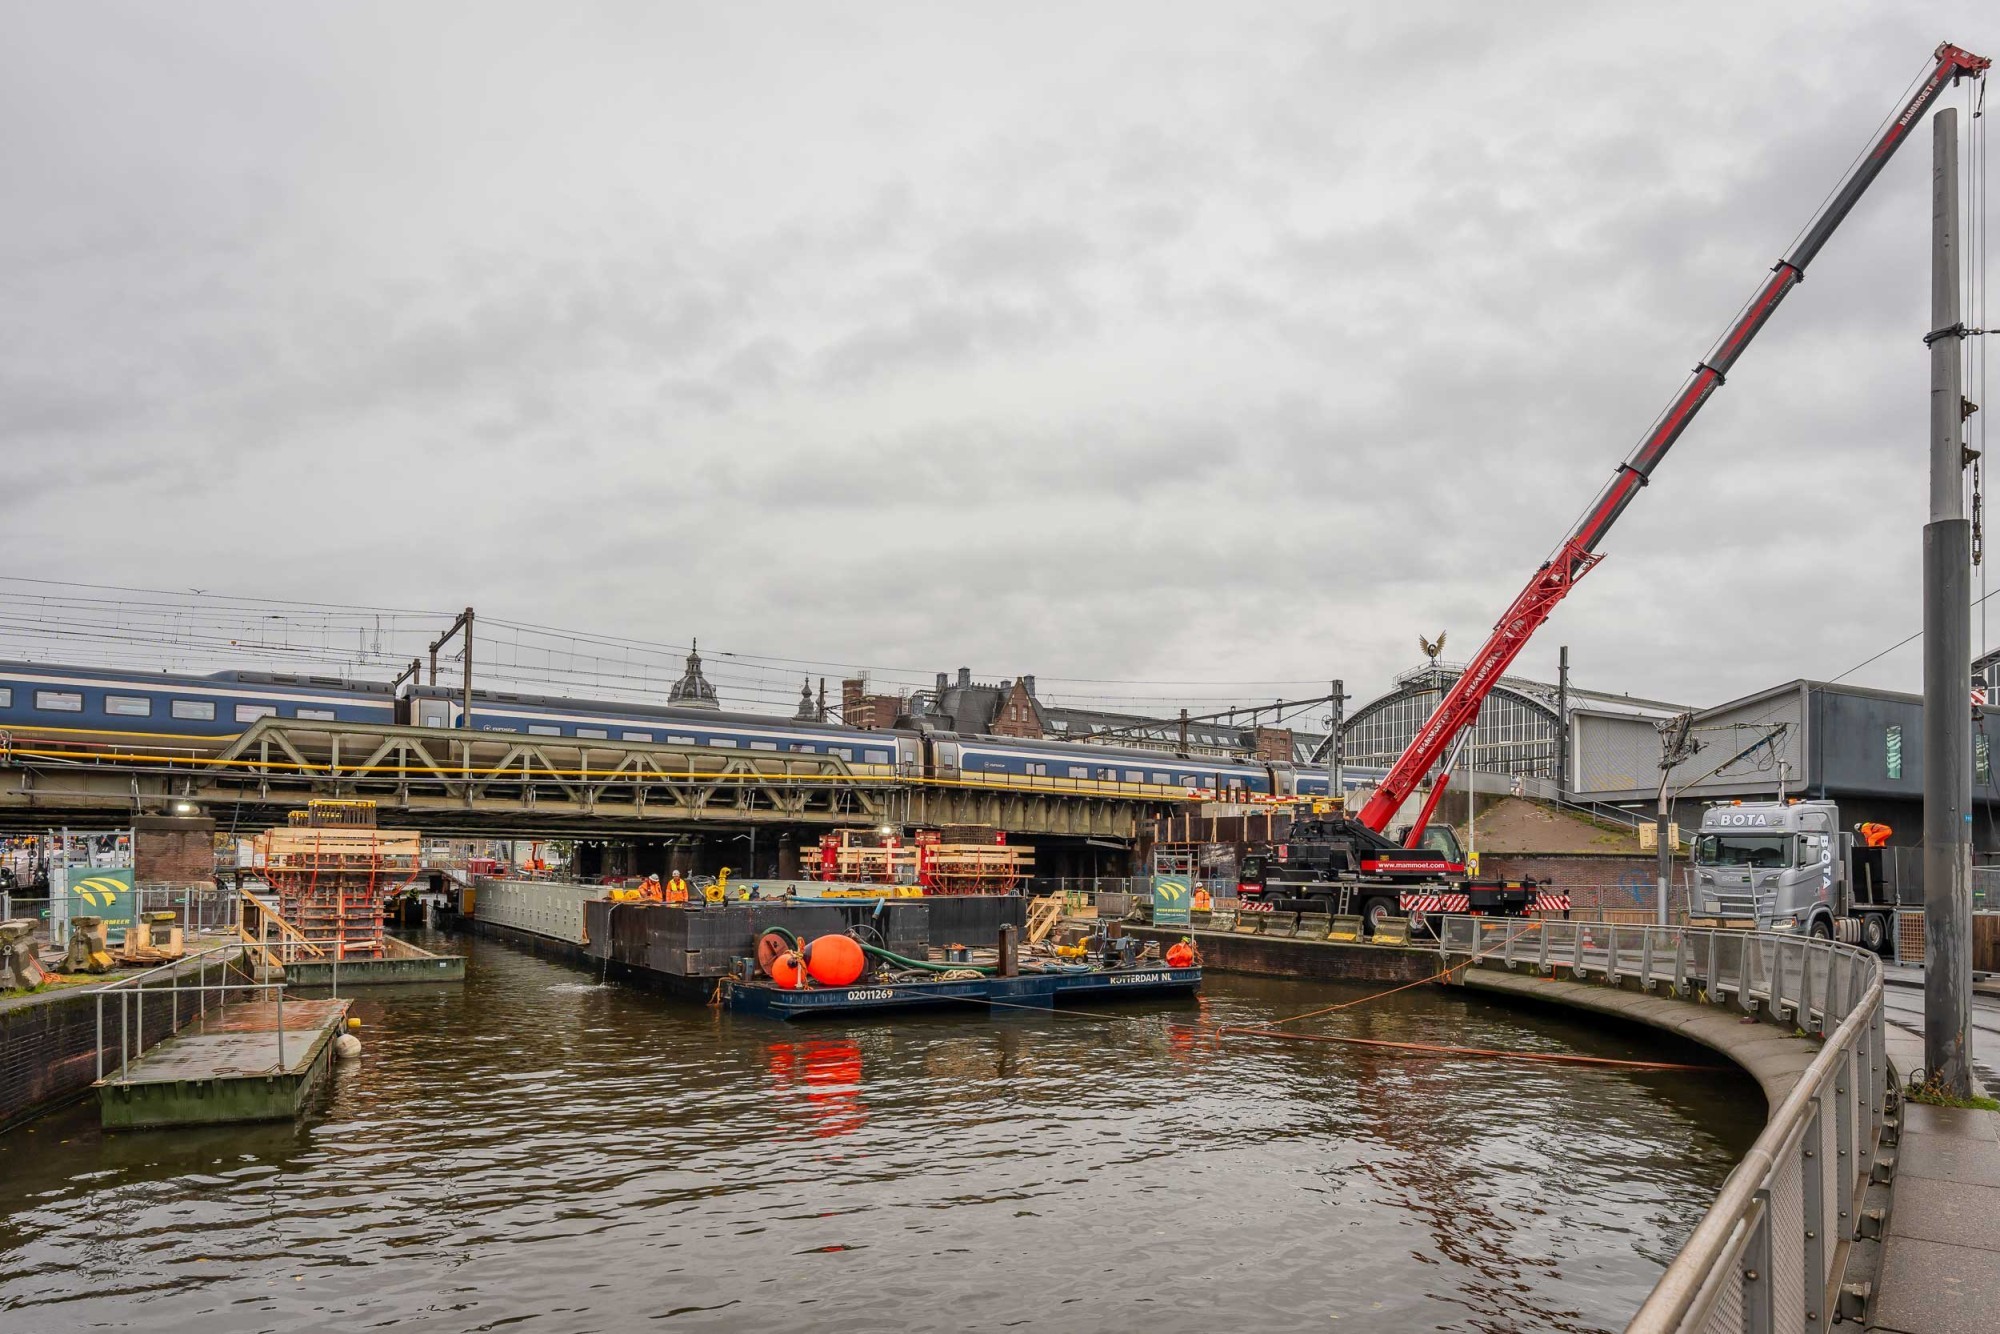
[1368, 850]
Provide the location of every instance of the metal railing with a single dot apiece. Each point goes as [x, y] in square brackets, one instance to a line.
[202, 909]
[1766, 1255]
[131, 993]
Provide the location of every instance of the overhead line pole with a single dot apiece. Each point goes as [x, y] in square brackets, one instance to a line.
[1947, 648]
[464, 622]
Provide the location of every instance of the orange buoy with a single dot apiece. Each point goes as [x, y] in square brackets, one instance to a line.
[1180, 955]
[835, 961]
[786, 972]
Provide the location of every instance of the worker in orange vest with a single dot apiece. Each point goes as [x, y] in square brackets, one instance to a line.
[1873, 835]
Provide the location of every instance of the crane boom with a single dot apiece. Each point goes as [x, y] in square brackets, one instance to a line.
[1578, 552]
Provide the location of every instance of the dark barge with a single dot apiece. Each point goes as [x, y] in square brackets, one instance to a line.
[1026, 991]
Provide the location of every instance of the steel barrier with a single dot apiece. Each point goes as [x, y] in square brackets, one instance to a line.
[1768, 1254]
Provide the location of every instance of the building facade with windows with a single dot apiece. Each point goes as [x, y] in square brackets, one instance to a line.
[1858, 746]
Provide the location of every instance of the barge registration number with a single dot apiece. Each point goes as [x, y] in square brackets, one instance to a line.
[872, 993]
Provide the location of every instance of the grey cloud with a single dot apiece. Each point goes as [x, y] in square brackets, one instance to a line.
[1295, 331]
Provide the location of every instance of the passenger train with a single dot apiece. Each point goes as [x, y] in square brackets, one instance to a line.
[100, 705]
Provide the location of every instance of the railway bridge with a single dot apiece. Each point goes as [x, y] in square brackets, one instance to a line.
[503, 784]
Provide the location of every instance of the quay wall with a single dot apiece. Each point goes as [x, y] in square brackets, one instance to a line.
[1307, 960]
[49, 1040]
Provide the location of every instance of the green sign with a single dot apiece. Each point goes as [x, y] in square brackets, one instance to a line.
[1171, 899]
[106, 893]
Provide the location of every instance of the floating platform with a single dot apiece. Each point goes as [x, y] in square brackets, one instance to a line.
[401, 963]
[226, 1068]
[1027, 991]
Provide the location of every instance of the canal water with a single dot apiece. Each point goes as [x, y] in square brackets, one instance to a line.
[533, 1150]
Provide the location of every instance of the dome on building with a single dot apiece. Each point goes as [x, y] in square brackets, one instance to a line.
[693, 690]
[808, 711]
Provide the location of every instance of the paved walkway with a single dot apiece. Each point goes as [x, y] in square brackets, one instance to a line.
[1941, 1258]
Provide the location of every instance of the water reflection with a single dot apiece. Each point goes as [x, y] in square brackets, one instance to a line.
[823, 1078]
[533, 1147]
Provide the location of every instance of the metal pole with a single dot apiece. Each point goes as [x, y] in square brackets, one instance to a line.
[468, 669]
[1947, 650]
[1336, 747]
[1664, 876]
[1562, 724]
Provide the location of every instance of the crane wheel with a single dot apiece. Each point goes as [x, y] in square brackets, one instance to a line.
[1375, 911]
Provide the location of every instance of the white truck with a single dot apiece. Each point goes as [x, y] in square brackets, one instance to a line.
[1791, 866]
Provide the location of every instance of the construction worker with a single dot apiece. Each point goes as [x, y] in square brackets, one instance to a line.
[677, 889]
[1203, 901]
[649, 890]
[1873, 835]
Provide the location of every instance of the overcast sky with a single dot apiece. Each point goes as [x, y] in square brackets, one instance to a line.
[1141, 342]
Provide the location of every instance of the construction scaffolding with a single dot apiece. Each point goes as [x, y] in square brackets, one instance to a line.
[989, 865]
[333, 873]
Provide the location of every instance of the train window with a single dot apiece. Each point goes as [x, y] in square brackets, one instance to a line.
[128, 706]
[635, 736]
[593, 734]
[680, 741]
[436, 718]
[1190, 782]
[250, 713]
[1134, 776]
[1108, 775]
[1235, 783]
[200, 710]
[763, 745]
[1039, 770]
[317, 715]
[877, 756]
[6, 697]
[844, 752]
[543, 729]
[1078, 771]
[723, 742]
[59, 701]
[800, 749]
[1159, 778]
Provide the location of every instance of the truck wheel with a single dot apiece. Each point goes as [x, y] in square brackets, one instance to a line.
[1875, 933]
[1822, 928]
[1374, 911]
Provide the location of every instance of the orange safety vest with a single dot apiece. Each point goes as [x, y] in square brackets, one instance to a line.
[1202, 901]
[1875, 835]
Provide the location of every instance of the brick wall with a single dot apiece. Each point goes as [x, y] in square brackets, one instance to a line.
[167, 850]
[1275, 743]
[1017, 716]
[858, 708]
[48, 1041]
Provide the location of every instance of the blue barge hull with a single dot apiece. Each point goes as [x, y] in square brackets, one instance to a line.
[1033, 991]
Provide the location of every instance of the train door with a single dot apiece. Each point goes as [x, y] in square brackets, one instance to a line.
[909, 757]
[944, 758]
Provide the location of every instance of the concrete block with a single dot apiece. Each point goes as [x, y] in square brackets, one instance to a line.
[1966, 1123]
[1972, 1162]
[1928, 1287]
[1393, 931]
[1953, 1212]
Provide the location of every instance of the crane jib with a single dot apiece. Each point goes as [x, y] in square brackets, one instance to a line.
[1460, 705]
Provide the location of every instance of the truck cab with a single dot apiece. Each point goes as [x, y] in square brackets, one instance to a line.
[1788, 867]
